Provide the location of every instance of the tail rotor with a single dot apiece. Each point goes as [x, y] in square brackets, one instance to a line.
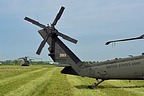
[50, 30]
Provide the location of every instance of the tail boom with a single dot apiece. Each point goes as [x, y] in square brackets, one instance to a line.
[60, 53]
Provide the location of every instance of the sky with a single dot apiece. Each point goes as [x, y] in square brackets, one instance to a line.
[91, 22]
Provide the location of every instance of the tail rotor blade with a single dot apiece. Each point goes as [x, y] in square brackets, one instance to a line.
[42, 45]
[58, 16]
[34, 22]
[67, 37]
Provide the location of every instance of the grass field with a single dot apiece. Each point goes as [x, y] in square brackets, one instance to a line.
[46, 80]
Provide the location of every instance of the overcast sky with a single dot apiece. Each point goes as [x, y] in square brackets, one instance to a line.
[91, 22]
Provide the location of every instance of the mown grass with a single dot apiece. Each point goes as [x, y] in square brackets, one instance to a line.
[57, 85]
[45, 80]
[11, 70]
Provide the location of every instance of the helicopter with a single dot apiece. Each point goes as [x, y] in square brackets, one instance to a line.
[129, 68]
[27, 60]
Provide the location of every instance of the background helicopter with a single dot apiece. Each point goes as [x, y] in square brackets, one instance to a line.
[124, 69]
[27, 60]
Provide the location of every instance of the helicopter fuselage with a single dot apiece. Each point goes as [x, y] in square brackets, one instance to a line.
[131, 68]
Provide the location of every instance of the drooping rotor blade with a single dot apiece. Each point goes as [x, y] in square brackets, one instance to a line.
[42, 45]
[58, 16]
[140, 37]
[34, 22]
[67, 37]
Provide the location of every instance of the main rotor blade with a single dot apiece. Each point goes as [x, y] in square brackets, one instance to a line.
[67, 37]
[58, 16]
[34, 22]
[42, 45]
[141, 37]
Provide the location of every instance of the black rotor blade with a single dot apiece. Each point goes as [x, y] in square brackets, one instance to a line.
[34, 22]
[141, 37]
[58, 16]
[67, 37]
[42, 45]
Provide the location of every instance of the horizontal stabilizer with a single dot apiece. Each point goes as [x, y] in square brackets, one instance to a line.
[69, 70]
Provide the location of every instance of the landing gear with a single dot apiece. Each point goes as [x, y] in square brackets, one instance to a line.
[96, 84]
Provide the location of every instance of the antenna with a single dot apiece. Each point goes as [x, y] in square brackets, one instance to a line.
[37, 17]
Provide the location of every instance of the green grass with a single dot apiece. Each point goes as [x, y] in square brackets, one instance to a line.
[46, 80]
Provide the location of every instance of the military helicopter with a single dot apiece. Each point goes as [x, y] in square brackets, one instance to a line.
[130, 68]
[25, 61]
